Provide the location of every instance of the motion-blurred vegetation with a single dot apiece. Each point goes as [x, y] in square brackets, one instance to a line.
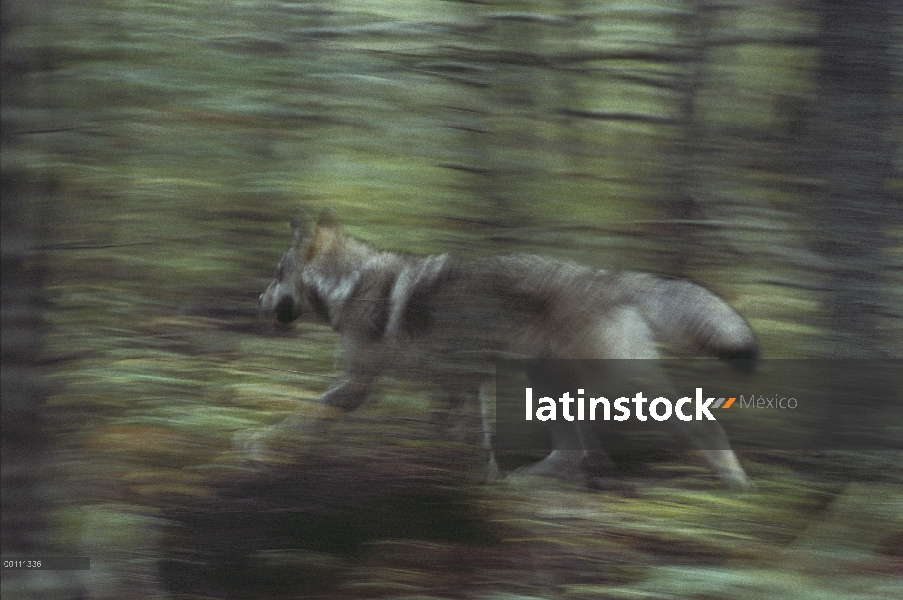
[153, 153]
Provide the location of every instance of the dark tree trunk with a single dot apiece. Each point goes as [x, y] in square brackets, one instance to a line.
[855, 149]
[683, 234]
[24, 529]
[25, 532]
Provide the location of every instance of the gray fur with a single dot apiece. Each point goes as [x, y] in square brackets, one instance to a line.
[435, 320]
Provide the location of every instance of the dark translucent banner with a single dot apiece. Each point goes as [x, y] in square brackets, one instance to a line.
[653, 405]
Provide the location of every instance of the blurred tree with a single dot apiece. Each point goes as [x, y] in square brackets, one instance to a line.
[855, 150]
[503, 85]
[23, 391]
[683, 233]
[25, 530]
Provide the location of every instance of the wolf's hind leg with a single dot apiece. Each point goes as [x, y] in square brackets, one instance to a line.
[492, 467]
[466, 418]
[709, 437]
[577, 457]
[728, 468]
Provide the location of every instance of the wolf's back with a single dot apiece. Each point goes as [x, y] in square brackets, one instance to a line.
[692, 319]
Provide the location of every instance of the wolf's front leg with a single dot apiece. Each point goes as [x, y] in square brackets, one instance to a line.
[348, 395]
[492, 467]
[459, 420]
[336, 402]
[264, 444]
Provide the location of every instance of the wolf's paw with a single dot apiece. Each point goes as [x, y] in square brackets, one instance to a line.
[276, 444]
[738, 482]
[560, 464]
[251, 444]
[492, 470]
[284, 442]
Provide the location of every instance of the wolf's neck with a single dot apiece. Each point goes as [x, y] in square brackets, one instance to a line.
[339, 271]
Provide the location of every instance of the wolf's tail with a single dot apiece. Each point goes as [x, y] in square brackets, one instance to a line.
[693, 320]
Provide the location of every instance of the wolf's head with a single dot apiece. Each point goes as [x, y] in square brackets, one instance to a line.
[293, 290]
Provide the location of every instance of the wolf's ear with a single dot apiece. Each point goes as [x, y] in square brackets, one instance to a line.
[328, 219]
[300, 226]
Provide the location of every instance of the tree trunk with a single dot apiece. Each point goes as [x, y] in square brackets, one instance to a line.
[855, 149]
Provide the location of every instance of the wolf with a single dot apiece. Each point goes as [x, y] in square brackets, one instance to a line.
[443, 322]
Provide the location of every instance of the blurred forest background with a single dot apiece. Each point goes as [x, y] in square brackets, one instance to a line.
[153, 153]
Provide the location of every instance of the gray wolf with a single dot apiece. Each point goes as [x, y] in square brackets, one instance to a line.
[435, 320]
